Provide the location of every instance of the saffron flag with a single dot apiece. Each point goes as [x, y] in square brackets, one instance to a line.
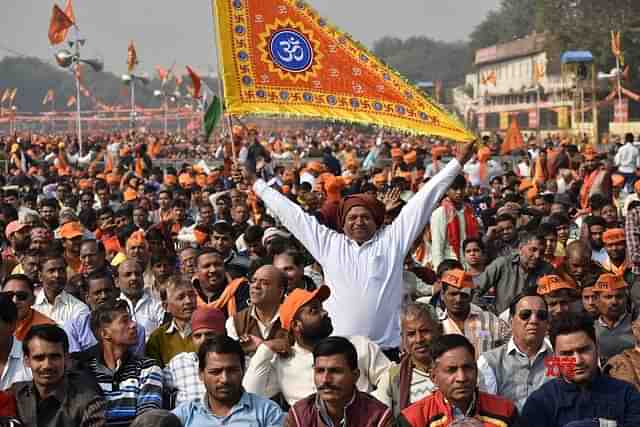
[162, 74]
[513, 141]
[197, 84]
[58, 26]
[278, 57]
[132, 57]
[71, 101]
[12, 97]
[616, 45]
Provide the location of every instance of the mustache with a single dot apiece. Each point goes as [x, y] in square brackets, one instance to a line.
[328, 387]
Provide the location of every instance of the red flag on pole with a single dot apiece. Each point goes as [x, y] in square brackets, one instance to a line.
[58, 26]
[196, 82]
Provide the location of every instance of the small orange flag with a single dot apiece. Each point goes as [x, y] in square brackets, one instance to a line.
[513, 140]
[5, 95]
[132, 57]
[162, 74]
[12, 97]
[59, 25]
[196, 82]
[71, 101]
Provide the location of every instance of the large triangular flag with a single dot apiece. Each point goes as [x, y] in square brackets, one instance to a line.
[279, 57]
[5, 95]
[212, 116]
[513, 141]
[196, 82]
[59, 25]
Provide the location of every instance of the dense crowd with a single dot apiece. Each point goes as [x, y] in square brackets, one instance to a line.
[318, 277]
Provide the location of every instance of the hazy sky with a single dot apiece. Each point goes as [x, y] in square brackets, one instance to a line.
[182, 31]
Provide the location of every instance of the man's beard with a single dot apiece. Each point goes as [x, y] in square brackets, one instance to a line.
[316, 333]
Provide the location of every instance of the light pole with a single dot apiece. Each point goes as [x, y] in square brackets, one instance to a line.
[165, 100]
[130, 79]
[66, 59]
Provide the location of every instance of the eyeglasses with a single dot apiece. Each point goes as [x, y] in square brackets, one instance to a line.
[541, 315]
[19, 295]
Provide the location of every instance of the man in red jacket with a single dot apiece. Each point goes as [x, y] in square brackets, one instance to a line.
[455, 373]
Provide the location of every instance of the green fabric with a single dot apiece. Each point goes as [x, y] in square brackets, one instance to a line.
[163, 346]
[212, 116]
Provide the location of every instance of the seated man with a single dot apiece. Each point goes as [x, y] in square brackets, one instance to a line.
[337, 401]
[483, 328]
[278, 367]
[410, 381]
[174, 337]
[559, 295]
[616, 247]
[132, 384]
[215, 287]
[509, 275]
[21, 288]
[261, 319]
[226, 403]
[144, 308]
[52, 300]
[516, 369]
[457, 398]
[99, 289]
[582, 394]
[624, 366]
[57, 395]
[12, 367]
[182, 371]
[613, 326]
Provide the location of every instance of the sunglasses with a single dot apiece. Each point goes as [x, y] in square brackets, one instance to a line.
[19, 295]
[541, 315]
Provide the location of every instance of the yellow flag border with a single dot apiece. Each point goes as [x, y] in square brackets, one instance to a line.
[236, 105]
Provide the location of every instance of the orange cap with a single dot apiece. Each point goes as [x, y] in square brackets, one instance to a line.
[113, 179]
[609, 282]
[636, 186]
[552, 283]
[137, 237]
[458, 279]
[617, 180]
[130, 195]
[85, 184]
[111, 245]
[71, 230]
[296, 299]
[410, 158]
[614, 235]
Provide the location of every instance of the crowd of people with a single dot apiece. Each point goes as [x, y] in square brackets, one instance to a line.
[319, 277]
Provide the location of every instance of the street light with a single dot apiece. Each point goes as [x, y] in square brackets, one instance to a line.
[67, 59]
[130, 79]
[165, 97]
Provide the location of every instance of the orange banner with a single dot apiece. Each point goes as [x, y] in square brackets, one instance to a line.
[279, 57]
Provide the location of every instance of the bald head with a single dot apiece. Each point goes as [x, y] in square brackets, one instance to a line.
[267, 287]
[578, 250]
[130, 279]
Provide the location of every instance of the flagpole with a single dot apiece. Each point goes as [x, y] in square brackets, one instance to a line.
[133, 102]
[217, 43]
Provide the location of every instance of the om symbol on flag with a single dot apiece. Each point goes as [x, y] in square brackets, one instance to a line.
[291, 51]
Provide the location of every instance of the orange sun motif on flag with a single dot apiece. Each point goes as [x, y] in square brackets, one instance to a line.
[290, 51]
